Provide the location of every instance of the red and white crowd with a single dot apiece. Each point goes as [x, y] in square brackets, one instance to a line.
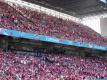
[27, 20]
[15, 66]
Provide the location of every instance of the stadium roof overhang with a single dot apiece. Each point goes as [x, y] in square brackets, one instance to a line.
[78, 8]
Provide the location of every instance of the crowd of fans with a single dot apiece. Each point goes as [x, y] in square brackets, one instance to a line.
[22, 19]
[17, 66]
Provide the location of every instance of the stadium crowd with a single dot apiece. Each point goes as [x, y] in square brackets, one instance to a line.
[27, 20]
[17, 66]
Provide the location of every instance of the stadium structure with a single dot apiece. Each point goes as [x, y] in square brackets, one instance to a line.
[44, 40]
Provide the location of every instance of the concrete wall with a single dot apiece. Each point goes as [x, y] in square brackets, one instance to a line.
[103, 26]
[93, 23]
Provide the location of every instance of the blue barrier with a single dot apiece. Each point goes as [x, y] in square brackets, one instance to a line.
[49, 39]
[102, 79]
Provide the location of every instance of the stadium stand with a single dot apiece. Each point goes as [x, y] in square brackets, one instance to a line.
[22, 19]
[18, 66]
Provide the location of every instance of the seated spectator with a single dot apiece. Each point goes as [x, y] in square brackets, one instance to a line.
[22, 19]
[25, 67]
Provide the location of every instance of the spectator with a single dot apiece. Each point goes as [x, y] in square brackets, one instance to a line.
[27, 20]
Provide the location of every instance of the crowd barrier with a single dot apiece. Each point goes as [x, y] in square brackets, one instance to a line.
[49, 39]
